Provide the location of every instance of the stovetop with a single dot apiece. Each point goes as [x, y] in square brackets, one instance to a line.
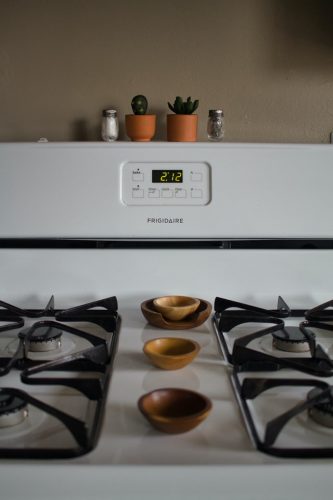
[282, 374]
[66, 387]
[137, 451]
[55, 368]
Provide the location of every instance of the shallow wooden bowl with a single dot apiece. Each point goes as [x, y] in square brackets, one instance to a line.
[174, 410]
[176, 307]
[192, 321]
[171, 353]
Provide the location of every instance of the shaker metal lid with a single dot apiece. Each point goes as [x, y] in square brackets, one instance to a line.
[214, 112]
[109, 112]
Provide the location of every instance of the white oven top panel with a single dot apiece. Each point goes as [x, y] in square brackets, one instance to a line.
[89, 190]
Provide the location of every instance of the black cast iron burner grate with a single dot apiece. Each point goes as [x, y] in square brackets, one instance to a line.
[289, 433]
[75, 384]
[230, 314]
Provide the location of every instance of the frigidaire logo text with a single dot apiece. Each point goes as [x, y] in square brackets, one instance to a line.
[165, 220]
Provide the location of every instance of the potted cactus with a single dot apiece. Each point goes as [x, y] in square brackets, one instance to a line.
[140, 126]
[182, 126]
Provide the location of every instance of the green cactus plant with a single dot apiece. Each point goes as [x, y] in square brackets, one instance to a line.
[139, 105]
[181, 107]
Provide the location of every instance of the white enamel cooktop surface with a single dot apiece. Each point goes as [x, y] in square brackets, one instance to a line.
[217, 457]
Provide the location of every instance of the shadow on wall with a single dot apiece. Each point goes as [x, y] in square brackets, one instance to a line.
[303, 34]
[160, 124]
[81, 131]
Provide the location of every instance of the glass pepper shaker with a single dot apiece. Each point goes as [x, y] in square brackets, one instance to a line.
[110, 125]
[215, 125]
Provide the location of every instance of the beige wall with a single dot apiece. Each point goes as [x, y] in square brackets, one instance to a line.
[267, 63]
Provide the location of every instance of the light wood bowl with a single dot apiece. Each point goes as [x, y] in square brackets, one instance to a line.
[174, 410]
[192, 321]
[176, 307]
[171, 353]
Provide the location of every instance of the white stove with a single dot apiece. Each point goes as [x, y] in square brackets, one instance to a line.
[88, 222]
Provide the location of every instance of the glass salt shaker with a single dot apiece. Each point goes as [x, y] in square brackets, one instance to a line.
[215, 125]
[110, 125]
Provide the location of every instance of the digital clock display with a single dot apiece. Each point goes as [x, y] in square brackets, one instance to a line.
[167, 176]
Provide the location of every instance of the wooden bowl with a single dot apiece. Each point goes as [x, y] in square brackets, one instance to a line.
[192, 321]
[176, 307]
[171, 353]
[174, 410]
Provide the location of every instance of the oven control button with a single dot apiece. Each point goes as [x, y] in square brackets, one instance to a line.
[196, 177]
[153, 193]
[137, 176]
[196, 193]
[180, 193]
[137, 193]
[167, 193]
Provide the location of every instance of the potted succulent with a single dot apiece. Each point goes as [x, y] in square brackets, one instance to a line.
[182, 126]
[140, 126]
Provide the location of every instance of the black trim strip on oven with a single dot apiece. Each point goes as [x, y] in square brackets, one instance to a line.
[227, 244]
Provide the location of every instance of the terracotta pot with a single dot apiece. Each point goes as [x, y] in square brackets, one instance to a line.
[140, 127]
[182, 128]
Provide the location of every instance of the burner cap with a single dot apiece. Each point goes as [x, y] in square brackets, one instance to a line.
[291, 339]
[13, 410]
[322, 412]
[44, 338]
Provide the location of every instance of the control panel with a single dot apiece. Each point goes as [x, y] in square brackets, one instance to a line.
[171, 183]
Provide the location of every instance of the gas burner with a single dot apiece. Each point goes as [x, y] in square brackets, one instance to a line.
[247, 350]
[13, 410]
[322, 412]
[44, 363]
[291, 339]
[43, 339]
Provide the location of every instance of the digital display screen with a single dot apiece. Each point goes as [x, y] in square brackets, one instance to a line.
[167, 176]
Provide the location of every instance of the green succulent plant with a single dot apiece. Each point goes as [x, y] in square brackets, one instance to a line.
[181, 107]
[139, 105]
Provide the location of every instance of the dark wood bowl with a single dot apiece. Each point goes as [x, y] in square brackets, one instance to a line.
[196, 319]
[174, 410]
